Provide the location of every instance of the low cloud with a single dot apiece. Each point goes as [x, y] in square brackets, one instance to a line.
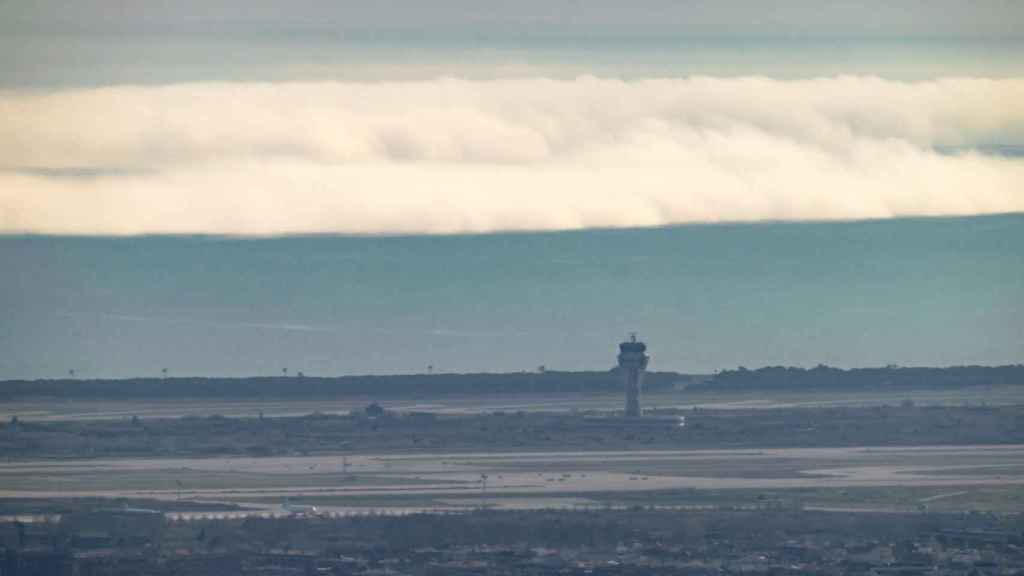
[450, 155]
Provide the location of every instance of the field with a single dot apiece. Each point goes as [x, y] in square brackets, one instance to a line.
[562, 484]
[888, 478]
[911, 451]
[50, 409]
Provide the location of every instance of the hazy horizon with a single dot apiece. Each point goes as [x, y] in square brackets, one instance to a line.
[932, 292]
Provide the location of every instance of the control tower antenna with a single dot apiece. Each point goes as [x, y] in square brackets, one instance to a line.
[632, 363]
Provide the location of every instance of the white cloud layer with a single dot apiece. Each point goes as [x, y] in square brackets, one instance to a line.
[449, 155]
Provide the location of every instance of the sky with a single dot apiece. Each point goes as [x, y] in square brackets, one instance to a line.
[268, 120]
[733, 19]
[263, 118]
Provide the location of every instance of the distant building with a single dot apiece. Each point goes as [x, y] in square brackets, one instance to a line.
[632, 363]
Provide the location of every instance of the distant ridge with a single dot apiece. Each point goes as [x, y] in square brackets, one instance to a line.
[548, 382]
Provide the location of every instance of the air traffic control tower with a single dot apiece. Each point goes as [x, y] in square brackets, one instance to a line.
[632, 363]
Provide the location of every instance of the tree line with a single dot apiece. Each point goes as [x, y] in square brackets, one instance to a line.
[546, 382]
[890, 377]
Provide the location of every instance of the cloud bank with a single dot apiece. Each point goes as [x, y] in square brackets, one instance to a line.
[452, 156]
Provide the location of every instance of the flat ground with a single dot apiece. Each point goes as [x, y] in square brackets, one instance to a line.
[942, 450]
[50, 409]
[889, 478]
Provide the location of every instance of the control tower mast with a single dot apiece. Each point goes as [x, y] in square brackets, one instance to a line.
[632, 363]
